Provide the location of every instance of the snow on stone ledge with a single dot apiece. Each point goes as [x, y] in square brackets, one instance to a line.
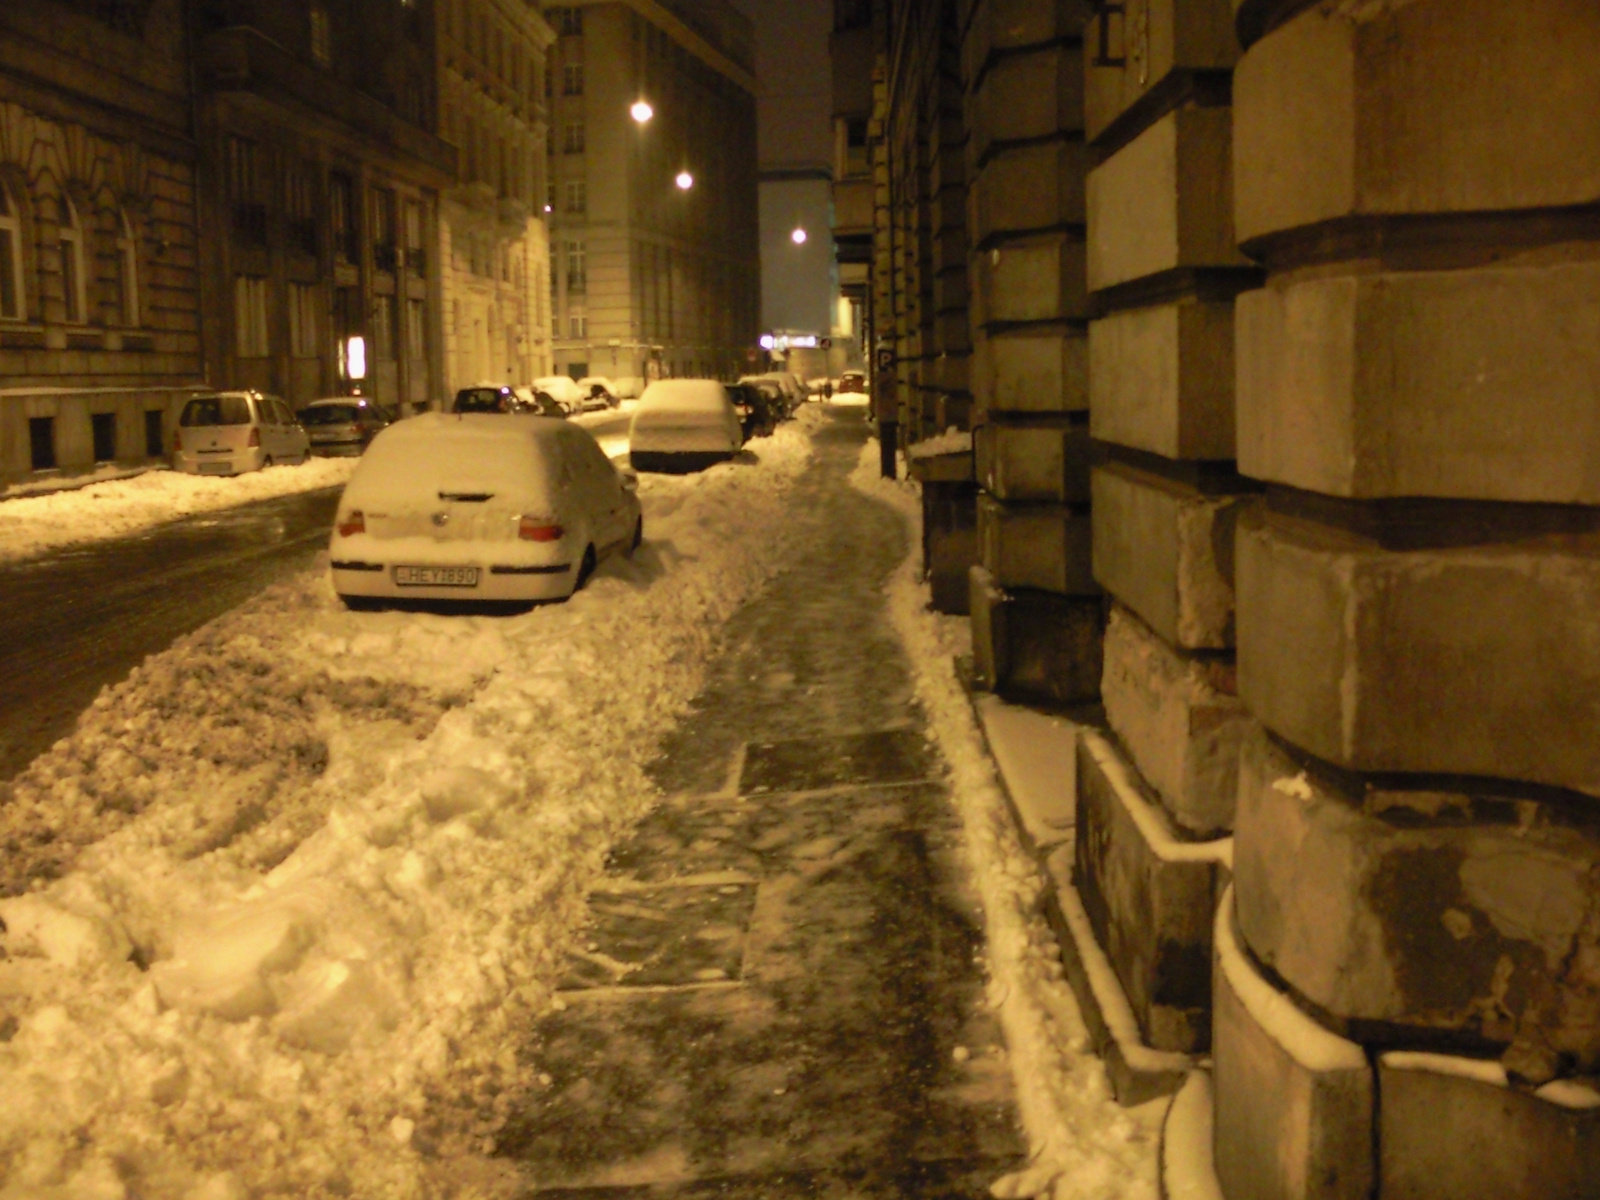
[951, 441]
[33, 525]
[1566, 1093]
[1308, 1043]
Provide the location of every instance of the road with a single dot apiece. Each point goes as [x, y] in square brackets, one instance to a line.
[78, 619]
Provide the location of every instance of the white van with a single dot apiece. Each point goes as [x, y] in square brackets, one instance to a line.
[229, 433]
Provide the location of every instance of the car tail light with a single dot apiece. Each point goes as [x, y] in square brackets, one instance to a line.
[255, 437]
[537, 529]
[177, 441]
[354, 522]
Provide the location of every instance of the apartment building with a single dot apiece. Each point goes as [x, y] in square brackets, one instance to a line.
[652, 189]
[494, 248]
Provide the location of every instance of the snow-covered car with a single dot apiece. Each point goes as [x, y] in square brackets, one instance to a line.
[684, 425]
[564, 390]
[773, 388]
[483, 507]
[627, 387]
[599, 387]
[229, 433]
[343, 424]
[791, 385]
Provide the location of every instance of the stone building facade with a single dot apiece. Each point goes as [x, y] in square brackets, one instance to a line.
[494, 249]
[649, 278]
[99, 284]
[1281, 395]
[321, 170]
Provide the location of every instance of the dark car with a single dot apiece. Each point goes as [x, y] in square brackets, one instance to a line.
[488, 398]
[343, 424]
[759, 412]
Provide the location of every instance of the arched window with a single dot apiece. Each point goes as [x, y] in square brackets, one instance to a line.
[13, 298]
[128, 264]
[73, 283]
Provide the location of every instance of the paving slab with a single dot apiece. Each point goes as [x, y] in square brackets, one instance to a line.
[779, 991]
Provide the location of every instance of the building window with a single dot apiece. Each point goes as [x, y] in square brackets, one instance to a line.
[568, 21]
[383, 327]
[300, 209]
[303, 339]
[128, 270]
[416, 331]
[577, 196]
[42, 443]
[342, 218]
[572, 79]
[383, 243]
[13, 300]
[244, 190]
[155, 434]
[577, 268]
[103, 433]
[578, 325]
[572, 141]
[321, 36]
[416, 254]
[250, 317]
[73, 279]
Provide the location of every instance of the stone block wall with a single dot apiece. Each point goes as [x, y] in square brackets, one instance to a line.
[1026, 162]
[1417, 833]
[1162, 270]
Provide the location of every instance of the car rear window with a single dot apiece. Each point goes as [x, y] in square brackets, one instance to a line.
[215, 410]
[329, 414]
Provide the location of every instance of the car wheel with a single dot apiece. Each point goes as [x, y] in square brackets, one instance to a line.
[585, 569]
[638, 537]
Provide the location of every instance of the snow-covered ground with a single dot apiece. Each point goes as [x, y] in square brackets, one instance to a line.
[283, 903]
[32, 525]
[1084, 1145]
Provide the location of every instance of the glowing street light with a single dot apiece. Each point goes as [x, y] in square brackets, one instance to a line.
[798, 237]
[685, 181]
[641, 111]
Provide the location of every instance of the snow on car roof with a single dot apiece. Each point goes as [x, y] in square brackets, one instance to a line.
[684, 395]
[489, 453]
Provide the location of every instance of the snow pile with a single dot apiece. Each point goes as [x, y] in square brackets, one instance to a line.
[102, 511]
[1085, 1146]
[283, 908]
[951, 441]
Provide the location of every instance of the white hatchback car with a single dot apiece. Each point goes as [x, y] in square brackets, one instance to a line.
[229, 433]
[480, 507]
[684, 425]
[564, 390]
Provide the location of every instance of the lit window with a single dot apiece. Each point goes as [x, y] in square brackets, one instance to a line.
[578, 325]
[73, 284]
[321, 36]
[128, 264]
[13, 301]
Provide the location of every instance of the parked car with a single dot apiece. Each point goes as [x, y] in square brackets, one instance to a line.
[498, 398]
[792, 387]
[229, 433]
[852, 381]
[541, 404]
[684, 425]
[564, 391]
[773, 388]
[480, 506]
[627, 387]
[343, 424]
[598, 387]
[759, 409]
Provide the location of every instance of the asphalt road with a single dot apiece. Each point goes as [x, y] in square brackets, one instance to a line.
[77, 619]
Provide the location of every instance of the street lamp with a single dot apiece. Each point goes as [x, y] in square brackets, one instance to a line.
[641, 111]
[798, 237]
[685, 181]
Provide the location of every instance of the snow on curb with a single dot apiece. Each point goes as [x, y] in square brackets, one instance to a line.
[1084, 1146]
[325, 866]
[99, 512]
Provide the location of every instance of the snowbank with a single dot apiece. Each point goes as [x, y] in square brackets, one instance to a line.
[1085, 1146]
[103, 511]
[283, 908]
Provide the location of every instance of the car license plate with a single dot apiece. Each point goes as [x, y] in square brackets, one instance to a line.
[216, 468]
[436, 576]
